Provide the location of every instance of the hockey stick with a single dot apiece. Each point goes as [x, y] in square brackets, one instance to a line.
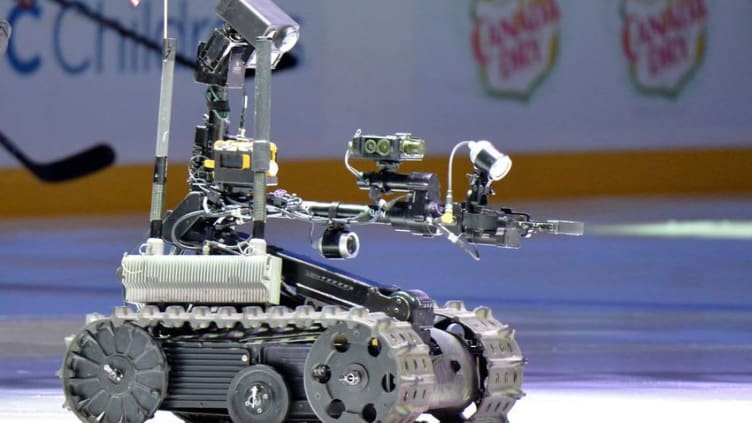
[83, 163]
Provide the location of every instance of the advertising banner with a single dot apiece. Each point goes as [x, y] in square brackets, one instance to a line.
[515, 44]
[664, 42]
[530, 75]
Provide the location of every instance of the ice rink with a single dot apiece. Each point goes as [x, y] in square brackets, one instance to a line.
[647, 318]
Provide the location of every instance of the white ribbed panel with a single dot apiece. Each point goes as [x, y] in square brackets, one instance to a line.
[202, 279]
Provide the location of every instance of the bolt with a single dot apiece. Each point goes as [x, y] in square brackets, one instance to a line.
[352, 378]
[115, 374]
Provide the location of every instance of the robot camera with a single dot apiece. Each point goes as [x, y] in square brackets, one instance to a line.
[261, 18]
[387, 148]
[338, 243]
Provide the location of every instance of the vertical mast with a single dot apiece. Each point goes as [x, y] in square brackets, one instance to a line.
[155, 245]
[261, 132]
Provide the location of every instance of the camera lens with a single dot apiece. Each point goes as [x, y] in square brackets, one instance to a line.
[369, 146]
[351, 244]
[383, 147]
[337, 243]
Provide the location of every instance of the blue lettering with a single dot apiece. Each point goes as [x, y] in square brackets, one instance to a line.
[106, 49]
[133, 47]
[99, 40]
[121, 54]
[147, 56]
[72, 69]
[24, 67]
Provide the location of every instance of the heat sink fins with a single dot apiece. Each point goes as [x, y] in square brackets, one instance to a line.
[201, 279]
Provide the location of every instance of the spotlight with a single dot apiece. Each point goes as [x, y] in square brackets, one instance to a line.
[489, 160]
[338, 243]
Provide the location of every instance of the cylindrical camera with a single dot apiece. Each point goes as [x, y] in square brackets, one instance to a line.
[338, 243]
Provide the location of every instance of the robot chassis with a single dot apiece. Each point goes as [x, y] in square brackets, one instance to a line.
[224, 328]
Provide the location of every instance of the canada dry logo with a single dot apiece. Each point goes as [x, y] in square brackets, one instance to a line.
[515, 43]
[664, 42]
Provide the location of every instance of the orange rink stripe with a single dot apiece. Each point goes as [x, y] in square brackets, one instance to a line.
[127, 188]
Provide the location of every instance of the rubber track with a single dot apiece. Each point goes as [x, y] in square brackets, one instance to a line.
[414, 383]
[503, 372]
[502, 385]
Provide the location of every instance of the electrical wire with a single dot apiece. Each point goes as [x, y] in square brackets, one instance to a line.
[293, 207]
[173, 232]
[449, 175]
[358, 174]
[212, 96]
[458, 241]
[200, 183]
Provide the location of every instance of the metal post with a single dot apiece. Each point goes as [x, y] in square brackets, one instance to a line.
[261, 132]
[155, 245]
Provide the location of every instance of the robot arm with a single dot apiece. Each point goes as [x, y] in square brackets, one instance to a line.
[419, 210]
[501, 228]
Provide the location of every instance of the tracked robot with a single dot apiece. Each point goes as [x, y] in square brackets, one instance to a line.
[221, 327]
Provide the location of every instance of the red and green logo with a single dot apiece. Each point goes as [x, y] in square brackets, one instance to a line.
[664, 42]
[515, 44]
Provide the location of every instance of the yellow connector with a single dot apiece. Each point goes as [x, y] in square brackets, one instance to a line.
[448, 217]
[273, 165]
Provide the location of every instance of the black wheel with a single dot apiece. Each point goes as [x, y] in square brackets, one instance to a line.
[258, 394]
[353, 377]
[114, 373]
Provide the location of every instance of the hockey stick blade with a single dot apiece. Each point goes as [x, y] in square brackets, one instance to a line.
[83, 163]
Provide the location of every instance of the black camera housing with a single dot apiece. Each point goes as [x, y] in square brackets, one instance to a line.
[338, 243]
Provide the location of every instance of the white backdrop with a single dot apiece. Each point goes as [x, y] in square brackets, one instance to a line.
[383, 66]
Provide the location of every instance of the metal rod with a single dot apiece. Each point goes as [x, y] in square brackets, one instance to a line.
[163, 137]
[261, 131]
[241, 129]
[262, 90]
[166, 19]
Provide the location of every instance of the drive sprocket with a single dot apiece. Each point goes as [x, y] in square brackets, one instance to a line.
[114, 372]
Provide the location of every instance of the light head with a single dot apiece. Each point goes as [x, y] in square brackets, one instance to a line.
[261, 18]
[489, 161]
